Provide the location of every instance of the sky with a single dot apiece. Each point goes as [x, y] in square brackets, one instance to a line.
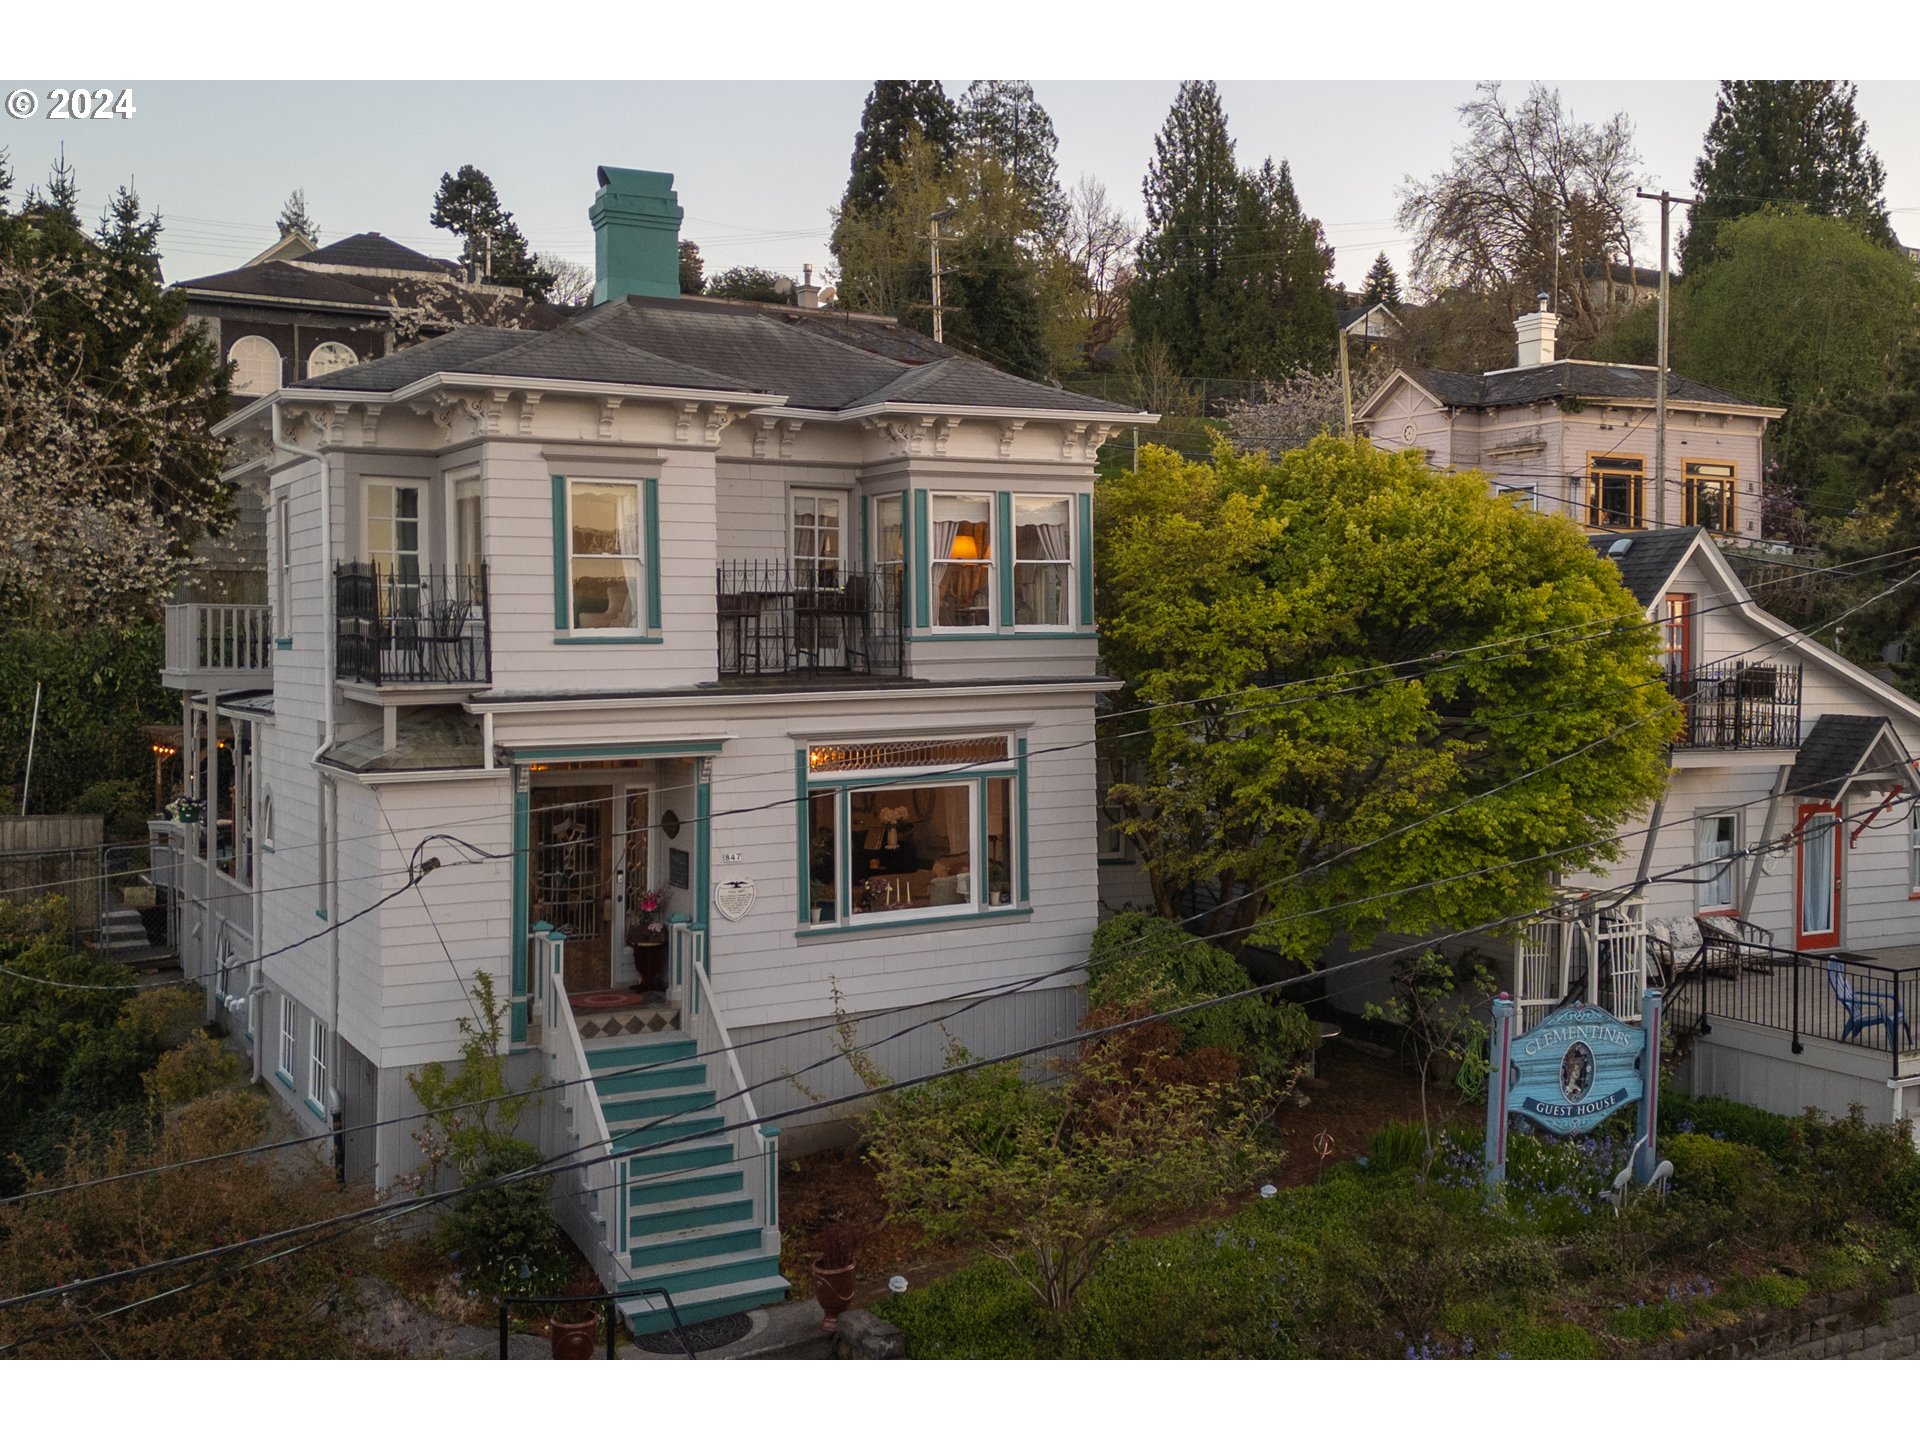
[758, 163]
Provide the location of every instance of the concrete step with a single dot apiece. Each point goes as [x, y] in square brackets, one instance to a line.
[648, 1315]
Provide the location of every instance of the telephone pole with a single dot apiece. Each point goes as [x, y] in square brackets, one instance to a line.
[1667, 202]
[933, 244]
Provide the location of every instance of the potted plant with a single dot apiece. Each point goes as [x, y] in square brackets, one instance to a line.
[576, 1325]
[997, 886]
[647, 934]
[833, 1273]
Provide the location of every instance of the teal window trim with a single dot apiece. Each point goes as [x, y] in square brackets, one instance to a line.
[975, 636]
[1000, 553]
[922, 572]
[285, 642]
[517, 925]
[617, 750]
[802, 837]
[562, 556]
[321, 912]
[284, 1078]
[866, 534]
[314, 1109]
[650, 543]
[1023, 893]
[954, 919]
[624, 638]
[1084, 573]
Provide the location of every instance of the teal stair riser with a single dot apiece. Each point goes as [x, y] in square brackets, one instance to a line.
[653, 1191]
[667, 1077]
[725, 1212]
[666, 1162]
[645, 1052]
[646, 1107]
[656, 1134]
[712, 1273]
[653, 1324]
[694, 1247]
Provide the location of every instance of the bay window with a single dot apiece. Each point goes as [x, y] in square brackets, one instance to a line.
[962, 556]
[894, 831]
[1042, 561]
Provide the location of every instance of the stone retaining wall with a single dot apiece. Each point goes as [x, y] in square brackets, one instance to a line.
[1851, 1325]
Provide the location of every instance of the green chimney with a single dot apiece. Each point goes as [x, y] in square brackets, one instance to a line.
[636, 235]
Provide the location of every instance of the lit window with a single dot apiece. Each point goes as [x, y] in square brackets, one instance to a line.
[1042, 561]
[256, 366]
[317, 1067]
[289, 1043]
[393, 529]
[1613, 491]
[1713, 840]
[328, 358]
[605, 575]
[962, 560]
[1709, 494]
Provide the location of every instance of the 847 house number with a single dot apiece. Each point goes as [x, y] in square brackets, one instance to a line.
[102, 104]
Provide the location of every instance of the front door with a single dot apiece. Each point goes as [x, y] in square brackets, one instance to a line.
[1817, 893]
[639, 908]
[571, 878]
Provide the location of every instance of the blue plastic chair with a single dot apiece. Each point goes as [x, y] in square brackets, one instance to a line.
[1867, 1010]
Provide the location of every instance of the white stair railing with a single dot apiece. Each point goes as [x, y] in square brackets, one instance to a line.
[755, 1146]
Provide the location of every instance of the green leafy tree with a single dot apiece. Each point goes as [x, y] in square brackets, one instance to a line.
[469, 206]
[897, 113]
[750, 282]
[294, 219]
[1382, 286]
[1222, 582]
[693, 270]
[1783, 142]
[1180, 295]
[481, 1108]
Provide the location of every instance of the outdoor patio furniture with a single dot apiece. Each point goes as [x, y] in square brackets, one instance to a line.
[1729, 944]
[1869, 1006]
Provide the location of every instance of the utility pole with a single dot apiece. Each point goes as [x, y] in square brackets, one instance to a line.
[1346, 386]
[1667, 202]
[933, 243]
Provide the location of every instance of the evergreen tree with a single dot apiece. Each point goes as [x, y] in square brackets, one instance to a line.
[896, 110]
[1784, 142]
[294, 219]
[1002, 120]
[1192, 192]
[993, 308]
[468, 205]
[1278, 264]
[1382, 286]
[693, 270]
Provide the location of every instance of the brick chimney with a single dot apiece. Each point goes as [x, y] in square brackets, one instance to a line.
[636, 235]
[1535, 330]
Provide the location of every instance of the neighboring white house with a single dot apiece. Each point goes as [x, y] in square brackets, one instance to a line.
[781, 615]
[1576, 437]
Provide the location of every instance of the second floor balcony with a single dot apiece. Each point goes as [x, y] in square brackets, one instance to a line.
[218, 647]
[810, 618]
[1732, 705]
[413, 626]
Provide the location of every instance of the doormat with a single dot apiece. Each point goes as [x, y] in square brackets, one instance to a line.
[703, 1335]
[602, 1000]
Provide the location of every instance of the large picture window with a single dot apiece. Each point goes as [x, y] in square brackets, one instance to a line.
[896, 846]
[605, 558]
[1709, 492]
[1613, 491]
[962, 555]
[1043, 561]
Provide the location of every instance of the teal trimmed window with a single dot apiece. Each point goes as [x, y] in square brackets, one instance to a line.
[993, 563]
[909, 830]
[606, 560]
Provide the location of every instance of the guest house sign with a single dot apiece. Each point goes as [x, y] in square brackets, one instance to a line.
[1572, 1070]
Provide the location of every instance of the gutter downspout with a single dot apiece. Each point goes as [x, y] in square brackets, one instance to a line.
[329, 811]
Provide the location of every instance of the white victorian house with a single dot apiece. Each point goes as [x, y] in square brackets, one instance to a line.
[677, 667]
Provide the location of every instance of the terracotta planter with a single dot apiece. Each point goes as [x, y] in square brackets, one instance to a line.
[834, 1290]
[650, 964]
[573, 1339]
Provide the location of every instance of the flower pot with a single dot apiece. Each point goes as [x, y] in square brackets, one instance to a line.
[573, 1339]
[650, 965]
[834, 1290]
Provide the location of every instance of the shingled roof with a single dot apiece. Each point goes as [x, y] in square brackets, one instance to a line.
[277, 280]
[838, 364]
[374, 251]
[1646, 561]
[1836, 748]
[1564, 379]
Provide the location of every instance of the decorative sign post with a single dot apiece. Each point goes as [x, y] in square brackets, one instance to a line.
[1571, 1071]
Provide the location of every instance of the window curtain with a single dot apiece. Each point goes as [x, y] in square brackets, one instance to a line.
[1054, 542]
[945, 532]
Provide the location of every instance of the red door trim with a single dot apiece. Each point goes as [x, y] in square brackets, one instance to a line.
[1828, 939]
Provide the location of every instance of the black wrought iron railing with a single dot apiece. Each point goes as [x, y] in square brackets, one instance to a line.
[608, 1302]
[779, 617]
[1839, 997]
[411, 626]
[1732, 705]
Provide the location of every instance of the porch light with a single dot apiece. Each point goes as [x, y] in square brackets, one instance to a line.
[965, 547]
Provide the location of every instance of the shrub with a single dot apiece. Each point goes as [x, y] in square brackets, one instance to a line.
[1141, 961]
[982, 1312]
[1765, 1292]
[199, 1067]
[1555, 1341]
[122, 803]
[1723, 1119]
[489, 1233]
[1715, 1172]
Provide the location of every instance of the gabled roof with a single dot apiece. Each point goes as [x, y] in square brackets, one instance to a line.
[277, 280]
[1840, 747]
[1648, 560]
[373, 251]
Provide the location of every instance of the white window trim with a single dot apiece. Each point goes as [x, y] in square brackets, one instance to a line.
[1913, 852]
[644, 621]
[991, 565]
[421, 553]
[1072, 562]
[1733, 871]
[279, 365]
[817, 492]
[283, 567]
[317, 1064]
[330, 345]
[289, 1057]
[450, 497]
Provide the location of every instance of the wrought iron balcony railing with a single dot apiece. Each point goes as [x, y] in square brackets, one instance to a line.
[411, 626]
[810, 618]
[1732, 705]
